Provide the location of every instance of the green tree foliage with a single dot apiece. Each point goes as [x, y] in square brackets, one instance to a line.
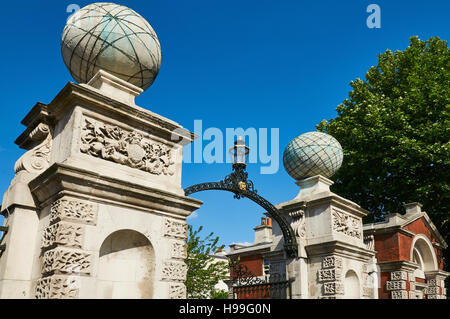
[204, 272]
[219, 294]
[395, 129]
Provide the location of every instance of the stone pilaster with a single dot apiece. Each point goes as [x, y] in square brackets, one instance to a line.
[330, 275]
[436, 285]
[174, 269]
[64, 260]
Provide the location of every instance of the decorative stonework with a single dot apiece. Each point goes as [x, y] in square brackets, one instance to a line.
[369, 242]
[331, 275]
[73, 210]
[177, 291]
[399, 294]
[399, 275]
[331, 261]
[346, 224]
[175, 229]
[333, 288]
[433, 291]
[37, 159]
[178, 250]
[66, 261]
[174, 271]
[57, 287]
[63, 260]
[63, 233]
[128, 148]
[436, 288]
[396, 285]
[298, 223]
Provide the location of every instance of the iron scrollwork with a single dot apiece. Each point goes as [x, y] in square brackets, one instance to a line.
[238, 183]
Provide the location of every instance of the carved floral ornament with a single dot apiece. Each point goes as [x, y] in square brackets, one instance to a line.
[115, 144]
[347, 224]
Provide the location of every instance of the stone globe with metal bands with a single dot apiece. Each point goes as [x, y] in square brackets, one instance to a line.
[312, 153]
[113, 38]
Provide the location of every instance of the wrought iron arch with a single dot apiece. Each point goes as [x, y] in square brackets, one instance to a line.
[238, 183]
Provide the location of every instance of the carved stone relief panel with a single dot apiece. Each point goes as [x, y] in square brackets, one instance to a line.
[399, 275]
[177, 291]
[333, 288]
[174, 271]
[331, 276]
[396, 285]
[178, 249]
[346, 224]
[63, 260]
[399, 294]
[58, 287]
[176, 229]
[63, 233]
[332, 261]
[124, 147]
[73, 210]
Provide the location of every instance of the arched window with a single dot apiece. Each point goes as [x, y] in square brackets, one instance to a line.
[126, 266]
[417, 259]
[423, 255]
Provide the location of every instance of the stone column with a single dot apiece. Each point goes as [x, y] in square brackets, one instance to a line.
[338, 261]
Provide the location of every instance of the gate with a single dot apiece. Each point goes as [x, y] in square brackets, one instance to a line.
[245, 285]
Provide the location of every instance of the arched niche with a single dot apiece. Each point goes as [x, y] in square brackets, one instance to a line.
[423, 255]
[126, 266]
[351, 285]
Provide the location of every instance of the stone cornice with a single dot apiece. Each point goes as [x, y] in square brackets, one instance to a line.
[395, 265]
[340, 248]
[389, 229]
[73, 94]
[339, 202]
[61, 179]
[38, 115]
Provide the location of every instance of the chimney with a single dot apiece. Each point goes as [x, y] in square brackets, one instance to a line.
[413, 208]
[263, 232]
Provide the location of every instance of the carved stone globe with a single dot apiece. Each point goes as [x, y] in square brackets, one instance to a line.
[312, 153]
[113, 38]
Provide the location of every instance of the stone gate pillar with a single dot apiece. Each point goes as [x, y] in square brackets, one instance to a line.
[96, 209]
[333, 261]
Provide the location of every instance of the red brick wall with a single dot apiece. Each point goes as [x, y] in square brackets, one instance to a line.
[387, 247]
[404, 243]
[254, 264]
[396, 246]
[383, 293]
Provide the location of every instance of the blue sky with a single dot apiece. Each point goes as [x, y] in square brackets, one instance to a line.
[260, 64]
